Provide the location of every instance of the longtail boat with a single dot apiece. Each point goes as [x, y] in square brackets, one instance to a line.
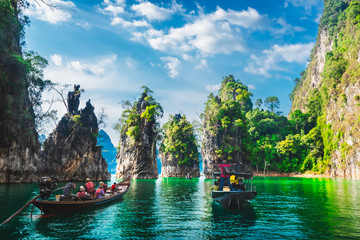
[230, 199]
[50, 207]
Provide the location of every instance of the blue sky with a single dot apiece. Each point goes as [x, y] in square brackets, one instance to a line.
[180, 49]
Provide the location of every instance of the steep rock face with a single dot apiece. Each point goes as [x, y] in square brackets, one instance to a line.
[19, 145]
[71, 151]
[171, 168]
[137, 153]
[334, 73]
[225, 132]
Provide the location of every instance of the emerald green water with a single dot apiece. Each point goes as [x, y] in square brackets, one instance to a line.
[285, 208]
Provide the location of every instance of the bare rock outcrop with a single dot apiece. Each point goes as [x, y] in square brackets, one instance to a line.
[71, 151]
[137, 147]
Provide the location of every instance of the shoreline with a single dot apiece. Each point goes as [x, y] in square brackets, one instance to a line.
[297, 174]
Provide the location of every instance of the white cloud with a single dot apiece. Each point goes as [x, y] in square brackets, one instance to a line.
[213, 88]
[113, 9]
[151, 11]
[307, 4]
[57, 59]
[124, 23]
[285, 28]
[97, 69]
[84, 25]
[202, 65]
[59, 13]
[200, 36]
[172, 64]
[250, 86]
[271, 58]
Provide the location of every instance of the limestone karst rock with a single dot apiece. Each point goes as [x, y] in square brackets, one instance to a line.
[224, 127]
[71, 151]
[329, 89]
[178, 152]
[19, 145]
[137, 145]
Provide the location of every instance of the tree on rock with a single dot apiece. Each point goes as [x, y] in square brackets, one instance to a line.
[138, 135]
[272, 103]
[225, 134]
[179, 151]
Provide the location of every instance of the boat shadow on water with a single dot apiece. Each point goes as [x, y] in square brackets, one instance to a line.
[73, 224]
[244, 216]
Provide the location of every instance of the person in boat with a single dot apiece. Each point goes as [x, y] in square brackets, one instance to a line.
[67, 189]
[225, 176]
[113, 187]
[105, 186]
[90, 187]
[82, 193]
[99, 192]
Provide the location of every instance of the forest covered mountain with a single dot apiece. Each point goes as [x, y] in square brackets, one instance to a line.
[328, 92]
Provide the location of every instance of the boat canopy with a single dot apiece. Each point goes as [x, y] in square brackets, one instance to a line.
[244, 175]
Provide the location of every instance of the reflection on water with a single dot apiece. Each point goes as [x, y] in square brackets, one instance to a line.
[176, 208]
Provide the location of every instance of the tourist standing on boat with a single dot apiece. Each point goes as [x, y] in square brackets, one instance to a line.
[68, 187]
[225, 176]
[90, 187]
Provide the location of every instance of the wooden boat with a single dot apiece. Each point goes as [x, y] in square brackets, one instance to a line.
[49, 207]
[228, 198]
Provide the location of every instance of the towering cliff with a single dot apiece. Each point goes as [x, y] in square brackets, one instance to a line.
[225, 133]
[19, 145]
[178, 151]
[138, 135]
[329, 89]
[71, 151]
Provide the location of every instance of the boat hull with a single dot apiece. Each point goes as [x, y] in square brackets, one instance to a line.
[229, 198]
[51, 207]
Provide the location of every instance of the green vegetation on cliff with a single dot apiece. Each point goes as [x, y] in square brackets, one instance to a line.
[224, 117]
[179, 140]
[133, 119]
[326, 105]
[21, 79]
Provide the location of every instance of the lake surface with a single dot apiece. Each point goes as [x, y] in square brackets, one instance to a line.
[285, 208]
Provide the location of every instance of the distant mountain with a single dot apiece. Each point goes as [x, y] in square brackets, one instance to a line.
[42, 138]
[108, 150]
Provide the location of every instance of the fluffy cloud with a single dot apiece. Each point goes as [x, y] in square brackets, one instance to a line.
[124, 23]
[199, 34]
[307, 4]
[151, 11]
[213, 88]
[270, 59]
[57, 59]
[202, 65]
[172, 64]
[57, 14]
[97, 69]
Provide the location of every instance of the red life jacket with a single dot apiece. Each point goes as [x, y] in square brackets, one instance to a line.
[113, 187]
[81, 194]
[90, 187]
[99, 192]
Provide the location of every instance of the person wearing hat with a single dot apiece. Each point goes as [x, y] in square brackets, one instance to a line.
[100, 192]
[81, 193]
[90, 187]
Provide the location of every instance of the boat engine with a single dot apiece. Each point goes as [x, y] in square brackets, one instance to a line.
[46, 186]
